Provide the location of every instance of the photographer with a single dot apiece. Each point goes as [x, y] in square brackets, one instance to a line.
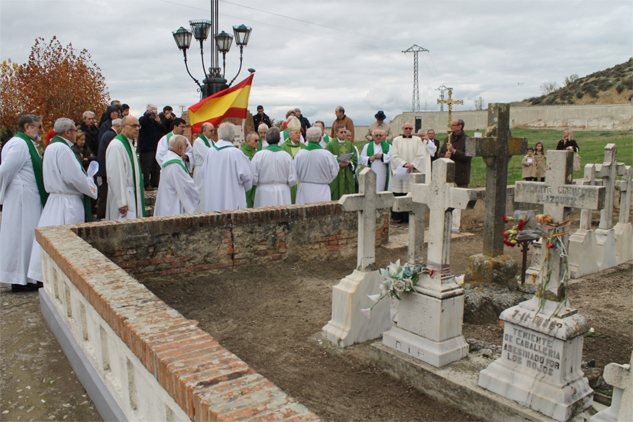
[149, 134]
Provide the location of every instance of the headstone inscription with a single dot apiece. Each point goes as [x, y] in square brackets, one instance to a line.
[417, 212]
[348, 325]
[582, 244]
[623, 230]
[621, 409]
[496, 149]
[430, 318]
[543, 336]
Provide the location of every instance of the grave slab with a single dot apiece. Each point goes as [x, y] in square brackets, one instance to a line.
[619, 376]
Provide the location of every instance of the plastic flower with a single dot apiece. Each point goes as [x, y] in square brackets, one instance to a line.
[543, 218]
[505, 219]
[366, 312]
[399, 286]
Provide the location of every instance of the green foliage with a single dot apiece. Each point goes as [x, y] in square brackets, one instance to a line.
[580, 94]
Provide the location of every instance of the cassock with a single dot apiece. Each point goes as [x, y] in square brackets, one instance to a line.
[380, 167]
[200, 148]
[273, 174]
[250, 153]
[316, 169]
[21, 195]
[227, 176]
[125, 180]
[177, 192]
[345, 182]
[408, 151]
[66, 183]
[163, 147]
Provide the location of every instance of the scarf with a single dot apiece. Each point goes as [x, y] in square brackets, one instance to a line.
[274, 148]
[36, 161]
[87, 202]
[141, 185]
[313, 145]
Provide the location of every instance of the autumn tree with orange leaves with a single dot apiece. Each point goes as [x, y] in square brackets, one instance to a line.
[56, 82]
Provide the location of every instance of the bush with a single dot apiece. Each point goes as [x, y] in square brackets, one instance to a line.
[537, 100]
[580, 94]
[603, 84]
[620, 88]
[549, 100]
[592, 90]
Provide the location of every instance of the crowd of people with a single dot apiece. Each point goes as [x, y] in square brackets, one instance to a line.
[297, 164]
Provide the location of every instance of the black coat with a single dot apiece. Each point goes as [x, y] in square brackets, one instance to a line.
[462, 163]
[92, 136]
[101, 154]
[150, 133]
[258, 120]
[570, 143]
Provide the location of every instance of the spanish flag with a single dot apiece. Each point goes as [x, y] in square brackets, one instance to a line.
[231, 102]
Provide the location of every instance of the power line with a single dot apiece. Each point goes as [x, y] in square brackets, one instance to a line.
[415, 49]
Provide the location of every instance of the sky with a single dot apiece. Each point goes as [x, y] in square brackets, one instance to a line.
[319, 54]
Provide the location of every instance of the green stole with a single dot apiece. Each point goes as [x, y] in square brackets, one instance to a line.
[205, 140]
[87, 203]
[385, 150]
[250, 153]
[221, 148]
[36, 161]
[344, 182]
[274, 148]
[261, 143]
[141, 185]
[326, 139]
[313, 145]
[289, 147]
[176, 161]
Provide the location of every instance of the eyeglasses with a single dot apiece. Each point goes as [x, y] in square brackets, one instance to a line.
[73, 130]
[134, 126]
[408, 128]
[453, 124]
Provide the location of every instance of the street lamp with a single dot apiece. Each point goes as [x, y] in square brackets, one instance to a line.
[214, 81]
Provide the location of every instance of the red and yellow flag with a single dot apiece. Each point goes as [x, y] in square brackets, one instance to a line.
[231, 102]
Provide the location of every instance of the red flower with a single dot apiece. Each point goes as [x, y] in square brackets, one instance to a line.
[549, 245]
[520, 225]
[505, 234]
[505, 218]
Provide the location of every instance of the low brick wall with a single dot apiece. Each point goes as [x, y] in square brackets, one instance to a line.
[206, 241]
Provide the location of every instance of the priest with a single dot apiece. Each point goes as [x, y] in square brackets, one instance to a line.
[177, 192]
[293, 145]
[344, 182]
[273, 173]
[200, 148]
[316, 168]
[261, 131]
[69, 188]
[325, 139]
[227, 173]
[126, 193]
[22, 196]
[249, 148]
[163, 145]
[377, 155]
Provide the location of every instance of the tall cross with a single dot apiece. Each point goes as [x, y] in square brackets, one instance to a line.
[496, 151]
[608, 171]
[588, 180]
[558, 195]
[624, 186]
[417, 212]
[442, 197]
[366, 203]
[450, 103]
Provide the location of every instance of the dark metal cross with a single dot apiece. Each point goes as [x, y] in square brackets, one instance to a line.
[496, 150]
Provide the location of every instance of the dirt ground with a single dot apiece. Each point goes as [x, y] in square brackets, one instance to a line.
[268, 316]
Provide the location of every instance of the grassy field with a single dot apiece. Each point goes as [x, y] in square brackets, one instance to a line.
[591, 145]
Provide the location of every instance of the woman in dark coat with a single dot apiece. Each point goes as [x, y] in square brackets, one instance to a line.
[567, 142]
[82, 151]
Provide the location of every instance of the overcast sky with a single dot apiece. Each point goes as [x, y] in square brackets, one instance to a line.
[317, 55]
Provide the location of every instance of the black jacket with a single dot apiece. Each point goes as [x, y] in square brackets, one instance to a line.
[150, 133]
[258, 120]
[101, 154]
[107, 124]
[462, 163]
[92, 136]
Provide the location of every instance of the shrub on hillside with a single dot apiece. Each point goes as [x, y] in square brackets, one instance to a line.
[603, 84]
[579, 94]
[592, 90]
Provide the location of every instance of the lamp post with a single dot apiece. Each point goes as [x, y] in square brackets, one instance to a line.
[214, 81]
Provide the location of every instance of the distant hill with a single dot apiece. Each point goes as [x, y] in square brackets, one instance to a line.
[609, 86]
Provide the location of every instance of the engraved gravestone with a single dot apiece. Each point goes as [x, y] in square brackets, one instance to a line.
[582, 244]
[417, 212]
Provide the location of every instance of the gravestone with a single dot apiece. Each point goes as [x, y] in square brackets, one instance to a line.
[623, 230]
[605, 233]
[496, 149]
[417, 212]
[543, 336]
[621, 409]
[583, 250]
[348, 325]
[429, 326]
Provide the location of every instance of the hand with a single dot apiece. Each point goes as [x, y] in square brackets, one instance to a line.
[448, 154]
[344, 163]
[123, 211]
[409, 167]
[157, 118]
[372, 158]
[451, 148]
[378, 156]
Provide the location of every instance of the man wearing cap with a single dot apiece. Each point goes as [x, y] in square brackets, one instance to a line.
[342, 119]
[273, 173]
[293, 145]
[305, 123]
[200, 148]
[261, 117]
[379, 124]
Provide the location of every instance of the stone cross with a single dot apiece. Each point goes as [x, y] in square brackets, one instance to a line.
[417, 212]
[496, 152]
[442, 197]
[588, 180]
[366, 203]
[450, 103]
[619, 376]
[624, 186]
[608, 171]
[558, 195]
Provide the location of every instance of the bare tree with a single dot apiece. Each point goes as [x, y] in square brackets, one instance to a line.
[549, 87]
[479, 104]
[571, 79]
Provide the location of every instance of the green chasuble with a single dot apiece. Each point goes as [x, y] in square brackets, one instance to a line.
[36, 161]
[292, 149]
[344, 182]
[86, 198]
[250, 195]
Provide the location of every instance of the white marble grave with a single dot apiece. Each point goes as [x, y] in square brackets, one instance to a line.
[430, 318]
[583, 250]
[623, 230]
[348, 325]
[543, 336]
[605, 233]
[621, 409]
[417, 213]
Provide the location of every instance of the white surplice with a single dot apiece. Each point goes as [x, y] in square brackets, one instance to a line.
[177, 192]
[21, 210]
[380, 167]
[408, 151]
[227, 176]
[66, 184]
[274, 175]
[121, 182]
[200, 150]
[163, 147]
[316, 169]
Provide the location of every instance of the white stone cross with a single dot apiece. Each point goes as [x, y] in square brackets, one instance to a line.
[442, 197]
[619, 376]
[588, 180]
[624, 186]
[366, 203]
[558, 195]
[417, 212]
[608, 171]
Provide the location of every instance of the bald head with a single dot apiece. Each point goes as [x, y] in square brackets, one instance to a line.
[208, 130]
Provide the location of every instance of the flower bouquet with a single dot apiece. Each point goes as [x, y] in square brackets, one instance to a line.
[398, 280]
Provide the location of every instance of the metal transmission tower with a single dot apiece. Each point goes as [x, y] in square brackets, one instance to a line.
[415, 49]
[442, 89]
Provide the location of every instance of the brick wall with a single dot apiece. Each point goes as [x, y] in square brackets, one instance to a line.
[207, 241]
